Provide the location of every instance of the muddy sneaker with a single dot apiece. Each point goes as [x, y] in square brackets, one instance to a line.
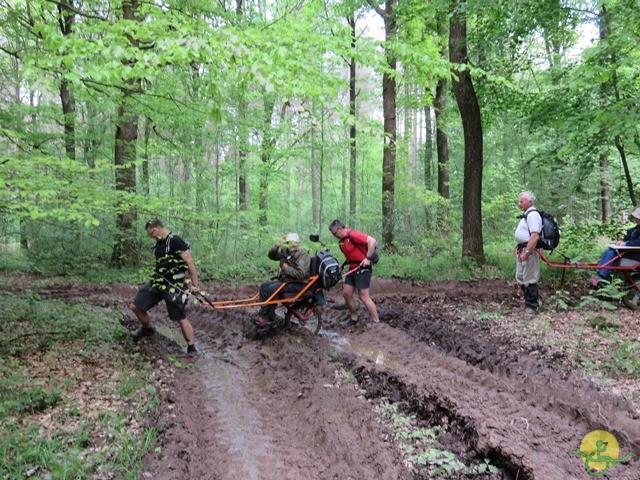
[191, 349]
[530, 311]
[143, 332]
[351, 323]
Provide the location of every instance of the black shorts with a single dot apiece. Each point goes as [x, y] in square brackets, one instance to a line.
[176, 300]
[360, 279]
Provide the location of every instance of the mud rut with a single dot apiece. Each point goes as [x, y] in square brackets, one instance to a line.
[298, 406]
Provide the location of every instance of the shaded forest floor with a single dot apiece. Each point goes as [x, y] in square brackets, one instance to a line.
[454, 382]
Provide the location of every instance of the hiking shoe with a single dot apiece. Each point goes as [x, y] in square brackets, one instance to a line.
[143, 332]
[351, 323]
[192, 349]
[530, 311]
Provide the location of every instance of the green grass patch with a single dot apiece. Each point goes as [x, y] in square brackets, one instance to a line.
[72, 392]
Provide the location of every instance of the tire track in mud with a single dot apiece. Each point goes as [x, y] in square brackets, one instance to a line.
[529, 424]
[278, 412]
[247, 441]
[280, 398]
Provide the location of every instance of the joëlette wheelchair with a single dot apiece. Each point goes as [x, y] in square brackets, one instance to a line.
[625, 263]
[302, 308]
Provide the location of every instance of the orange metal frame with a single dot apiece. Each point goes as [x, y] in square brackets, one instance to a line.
[627, 270]
[272, 300]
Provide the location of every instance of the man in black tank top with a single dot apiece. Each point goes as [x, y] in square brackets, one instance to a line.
[173, 277]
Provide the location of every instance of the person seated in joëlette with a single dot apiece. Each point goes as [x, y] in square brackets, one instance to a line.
[294, 265]
[611, 257]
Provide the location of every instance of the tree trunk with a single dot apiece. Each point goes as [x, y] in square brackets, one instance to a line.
[390, 126]
[472, 245]
[428, 147]
[353, 177]
[314, 178]
[125, 251]
[268, 143]
[144, 174]
[625, 166]
[66, 18]
[605, 30]
[242, 151]
[321, 172]
[442, 143]
[605, 197]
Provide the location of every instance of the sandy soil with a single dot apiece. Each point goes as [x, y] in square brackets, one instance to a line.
[293, 405]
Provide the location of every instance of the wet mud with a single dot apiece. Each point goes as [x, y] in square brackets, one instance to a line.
[294, 405]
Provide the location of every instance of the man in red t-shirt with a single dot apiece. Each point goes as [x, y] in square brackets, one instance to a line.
[358, 248]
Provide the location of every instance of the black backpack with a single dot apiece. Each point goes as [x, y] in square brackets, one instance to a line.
[550, 235]
[328, 269]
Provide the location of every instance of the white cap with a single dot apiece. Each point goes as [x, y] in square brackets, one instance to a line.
[636, 213]
[293, 237]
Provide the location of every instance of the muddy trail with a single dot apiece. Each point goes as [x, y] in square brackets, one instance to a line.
[293, 405]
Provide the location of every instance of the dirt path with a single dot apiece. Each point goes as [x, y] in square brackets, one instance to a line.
[294, 405]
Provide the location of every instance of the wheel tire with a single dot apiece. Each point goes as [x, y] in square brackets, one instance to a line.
[632, 299]
[313, 323]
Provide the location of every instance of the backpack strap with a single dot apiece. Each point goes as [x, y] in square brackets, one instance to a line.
[363, 250]
[313, 266]
[526, 214]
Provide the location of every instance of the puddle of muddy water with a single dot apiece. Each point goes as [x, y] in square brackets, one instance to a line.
[248, 446]
[244, 436]
[370, 352]
[374, 354]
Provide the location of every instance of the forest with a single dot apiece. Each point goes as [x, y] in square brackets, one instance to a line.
[235, 122]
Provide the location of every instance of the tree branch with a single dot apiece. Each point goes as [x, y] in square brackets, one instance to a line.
[70, 8]
[9, 52]
[377, 8]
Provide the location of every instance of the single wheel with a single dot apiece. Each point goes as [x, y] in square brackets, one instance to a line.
[632, 299]
[314, 320]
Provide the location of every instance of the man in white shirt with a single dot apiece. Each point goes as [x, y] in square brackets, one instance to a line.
[527, 258]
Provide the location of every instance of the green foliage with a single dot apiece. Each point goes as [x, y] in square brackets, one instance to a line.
[30, 399]
[589, 237]
[44, 323]
[178, 364]
[624, 358]
[220, 99]
[37, 330]
[420, 446]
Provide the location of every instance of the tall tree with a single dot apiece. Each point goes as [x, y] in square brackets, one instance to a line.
[442, 142]
[389, 93]
[315, 207]
[125, 251]
[472, 244]
[610, 58]
[440, 107]
[66, 18]
[353, 177]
